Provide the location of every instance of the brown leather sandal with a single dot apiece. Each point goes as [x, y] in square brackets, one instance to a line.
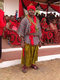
[34, 67]
[24, 69]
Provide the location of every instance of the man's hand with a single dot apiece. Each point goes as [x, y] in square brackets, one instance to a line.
[39, 44]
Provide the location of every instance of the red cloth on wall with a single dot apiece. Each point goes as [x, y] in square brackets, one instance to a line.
[21, 11]
[42, 5]
[55, 7]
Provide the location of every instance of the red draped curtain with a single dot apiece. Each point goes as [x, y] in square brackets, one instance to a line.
[44, 6]
[27, 2]
[21, 11]
[55, 7]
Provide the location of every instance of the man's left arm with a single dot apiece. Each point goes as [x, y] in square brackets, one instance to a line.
[39, 34]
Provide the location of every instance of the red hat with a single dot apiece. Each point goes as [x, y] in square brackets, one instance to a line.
[31, 6]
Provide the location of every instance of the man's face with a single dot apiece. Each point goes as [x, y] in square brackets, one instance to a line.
[12, 18]
[7, 18]
[54, 21]
[31, 12]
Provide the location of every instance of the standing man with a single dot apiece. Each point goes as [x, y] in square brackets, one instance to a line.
[30, 32]
[2, 24]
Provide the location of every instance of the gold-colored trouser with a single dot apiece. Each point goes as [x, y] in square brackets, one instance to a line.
[30, 55]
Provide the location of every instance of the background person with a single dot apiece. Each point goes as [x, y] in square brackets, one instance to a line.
[2, 25]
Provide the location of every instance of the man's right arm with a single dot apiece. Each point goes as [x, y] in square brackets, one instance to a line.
[21, 31]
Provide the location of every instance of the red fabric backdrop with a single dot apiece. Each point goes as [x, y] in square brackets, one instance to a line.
[55, 7]
[44, 6]
[21, 11]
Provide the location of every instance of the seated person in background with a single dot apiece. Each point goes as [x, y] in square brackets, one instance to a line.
[5, 35]
[45, 30]
[18, 22]
[54, 30]
[11, 30]
[13, 24]
[7, 18]
[58, 24]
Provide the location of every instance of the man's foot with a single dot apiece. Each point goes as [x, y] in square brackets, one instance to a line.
[24, 69]
[34, 67]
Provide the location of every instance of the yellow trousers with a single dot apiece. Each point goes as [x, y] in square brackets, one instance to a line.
[30, 55]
